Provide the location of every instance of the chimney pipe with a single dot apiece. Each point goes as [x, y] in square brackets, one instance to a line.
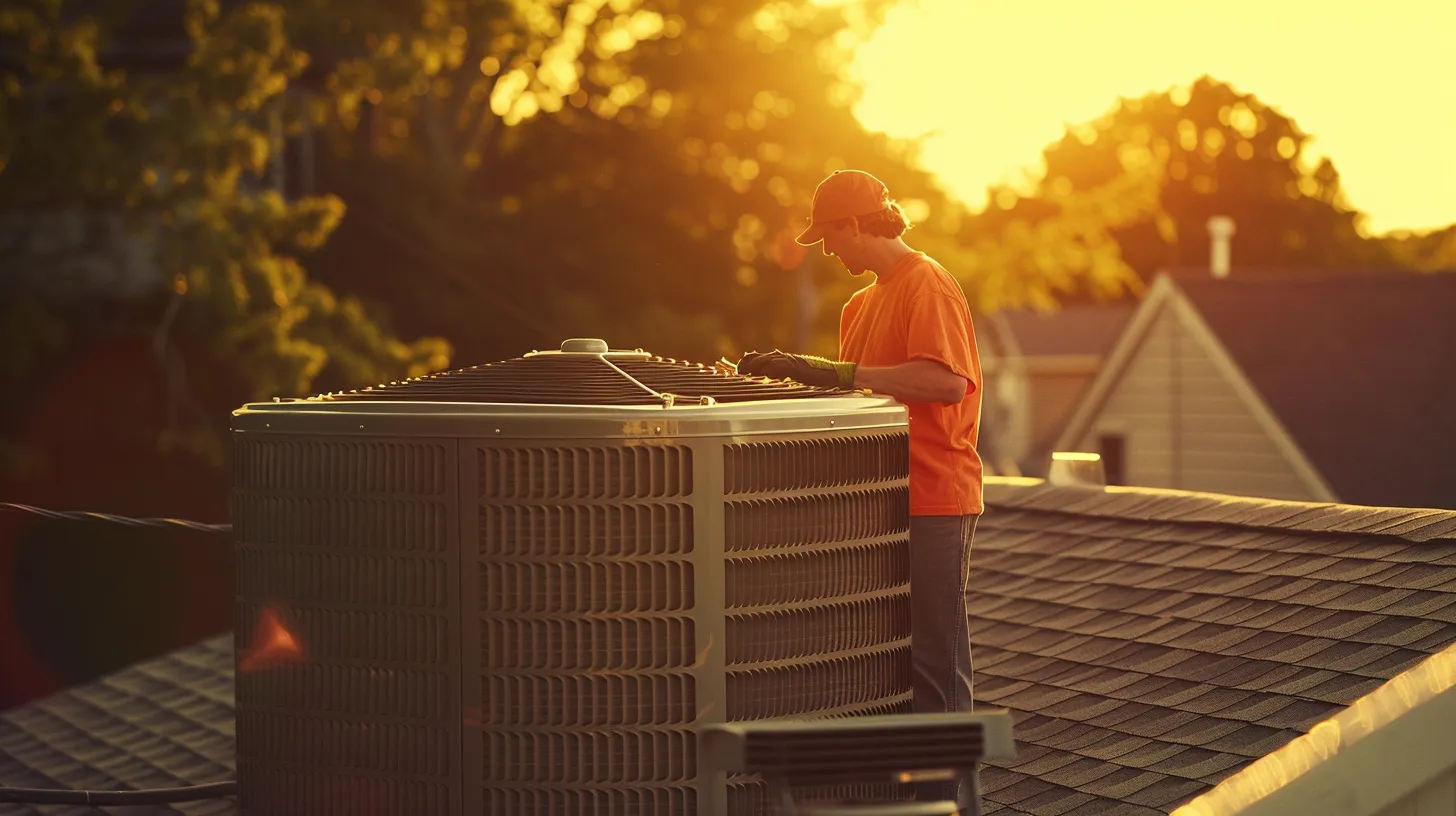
[1220, 230]
[1077, 468]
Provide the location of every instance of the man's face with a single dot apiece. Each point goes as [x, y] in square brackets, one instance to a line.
[844, 245]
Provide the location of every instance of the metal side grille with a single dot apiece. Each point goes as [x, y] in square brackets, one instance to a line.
[819, 685]
[586, 587]
[570, 530]
[791, 521]
[637, 801]
[815, 463]
[541, 474]
[780, 579]
[817, 578]
[584, 696]
[628, 644]
[790, 632]
[304, 790]
[347, 693]
[278, 468]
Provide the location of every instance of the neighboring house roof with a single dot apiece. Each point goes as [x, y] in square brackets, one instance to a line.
[1360, 368]
[1151, 643]
[162, 723]
[1349, 372]
[1072, 331]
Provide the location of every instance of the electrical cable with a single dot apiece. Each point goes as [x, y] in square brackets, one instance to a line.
[81, 515]
[147, 796]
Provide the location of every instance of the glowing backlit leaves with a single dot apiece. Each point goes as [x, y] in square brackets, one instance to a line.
[1187, 135]
[193, 139]
[746, 237]
[1136, 157]
[1241, 118]
[508, 92]
[1213, 142]
[550, 69]
[1228, 152]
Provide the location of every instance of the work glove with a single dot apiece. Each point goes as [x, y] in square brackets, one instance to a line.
[804, 368]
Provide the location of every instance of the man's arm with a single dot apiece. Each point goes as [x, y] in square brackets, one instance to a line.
[914, 381]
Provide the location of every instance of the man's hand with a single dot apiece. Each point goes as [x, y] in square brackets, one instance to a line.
[804, 368]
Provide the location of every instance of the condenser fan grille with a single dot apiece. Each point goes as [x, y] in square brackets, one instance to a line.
[584, 379]
[535, 617]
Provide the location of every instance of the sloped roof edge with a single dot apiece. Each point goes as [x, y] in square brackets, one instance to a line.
[1116, 360]
[1181, 506]
[1368, 756]
[1166, 293]
[163, 722]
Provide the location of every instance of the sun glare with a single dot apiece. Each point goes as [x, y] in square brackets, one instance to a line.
[989, 85]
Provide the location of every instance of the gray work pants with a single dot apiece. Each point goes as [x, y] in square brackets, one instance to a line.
[940, 645]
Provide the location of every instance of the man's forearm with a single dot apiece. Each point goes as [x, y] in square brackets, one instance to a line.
[915, 381]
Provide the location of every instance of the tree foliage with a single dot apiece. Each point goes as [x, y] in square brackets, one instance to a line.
[628, 168]
[1221, 152]
[182, 153]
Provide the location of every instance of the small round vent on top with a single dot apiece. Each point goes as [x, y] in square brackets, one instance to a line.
[585, 372]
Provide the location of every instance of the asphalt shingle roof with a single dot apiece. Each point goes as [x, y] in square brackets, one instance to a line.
[1152, 643]
[1148, 643]
[1072, 329]
[161, 723]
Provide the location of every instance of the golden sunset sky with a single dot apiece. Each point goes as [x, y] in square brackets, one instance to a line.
[992, 83]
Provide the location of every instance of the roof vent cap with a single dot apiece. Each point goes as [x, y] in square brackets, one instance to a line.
[1221, 231]
[584, 345]
[1077, 469]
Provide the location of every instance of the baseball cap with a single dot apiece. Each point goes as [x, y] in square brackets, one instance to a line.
[844, 194]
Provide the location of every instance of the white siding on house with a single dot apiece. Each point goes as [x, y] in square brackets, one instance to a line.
[1052, 399]
[1186, 425]
[1139, 406]
[1435, 798]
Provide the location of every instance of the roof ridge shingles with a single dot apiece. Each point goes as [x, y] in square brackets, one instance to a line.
[1186, 507]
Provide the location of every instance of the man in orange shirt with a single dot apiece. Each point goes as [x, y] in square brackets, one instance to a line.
[908, 334]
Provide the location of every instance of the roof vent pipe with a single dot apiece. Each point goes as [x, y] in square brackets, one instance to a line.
[1220, 231]
[1076, 468]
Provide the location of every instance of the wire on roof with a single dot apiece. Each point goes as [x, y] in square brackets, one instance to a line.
[148, 796]
[82, 515]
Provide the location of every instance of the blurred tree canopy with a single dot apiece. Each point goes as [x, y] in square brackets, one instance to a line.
[179, 155]
[484, 177]
[501, 174]
[497, 175]
[630, 169]
[1221, 152]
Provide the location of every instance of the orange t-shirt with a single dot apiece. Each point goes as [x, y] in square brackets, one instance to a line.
[920, 313]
